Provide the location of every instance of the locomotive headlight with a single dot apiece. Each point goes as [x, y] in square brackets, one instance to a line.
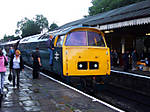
[80, 65]
[95, 65]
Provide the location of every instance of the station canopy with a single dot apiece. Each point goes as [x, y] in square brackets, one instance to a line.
[134, 14]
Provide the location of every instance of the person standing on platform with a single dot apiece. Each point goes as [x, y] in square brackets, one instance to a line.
[111, 58]
[134, 60]
[115, 58]
[11, 51]
[50, 49]
[126, 61]
[2, 71]
[16, 66]
[36, 63]
[4, 52]
[149, 63]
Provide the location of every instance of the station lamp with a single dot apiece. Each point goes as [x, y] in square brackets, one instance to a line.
[147, 33]
[108, 31]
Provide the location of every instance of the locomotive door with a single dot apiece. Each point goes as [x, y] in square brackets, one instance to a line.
[57, 55]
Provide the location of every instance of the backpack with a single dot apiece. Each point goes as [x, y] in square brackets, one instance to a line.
[5, 61]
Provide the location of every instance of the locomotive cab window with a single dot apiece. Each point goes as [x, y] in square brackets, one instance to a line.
[77, 38]
[95, 39]
[60, 41]
[84, 38]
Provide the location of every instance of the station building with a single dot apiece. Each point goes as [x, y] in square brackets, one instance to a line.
[125, 28]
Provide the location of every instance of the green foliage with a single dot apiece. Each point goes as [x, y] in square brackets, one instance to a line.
[53, 26]
[100, 6]
[27, 27]
[30, 28]
[41, 21]
[10, 37]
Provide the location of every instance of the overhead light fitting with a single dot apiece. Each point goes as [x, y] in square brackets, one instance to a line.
[147, 33]
[110, 31]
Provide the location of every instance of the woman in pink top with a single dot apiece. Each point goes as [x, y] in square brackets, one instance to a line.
[2, 71]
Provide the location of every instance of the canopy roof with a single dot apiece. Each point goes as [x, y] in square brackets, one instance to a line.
[134, 14]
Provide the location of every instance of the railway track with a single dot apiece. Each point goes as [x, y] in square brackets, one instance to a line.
[117, 96]
[121, 97]
[126, 99]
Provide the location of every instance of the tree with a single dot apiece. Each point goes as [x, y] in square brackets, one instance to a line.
[100, 6]
[10, 37]
[20, 26]
[41, 21]
[30, 28]
[6, 38]
[27, 27]
[53, 26]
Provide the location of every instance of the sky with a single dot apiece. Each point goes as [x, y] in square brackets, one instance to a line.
[58, 11]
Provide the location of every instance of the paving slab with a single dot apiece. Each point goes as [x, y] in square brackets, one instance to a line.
[45, 95]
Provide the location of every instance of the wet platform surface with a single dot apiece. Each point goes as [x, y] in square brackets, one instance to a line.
[139, 72]
[45, 95]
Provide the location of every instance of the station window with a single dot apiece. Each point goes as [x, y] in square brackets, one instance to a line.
[60, 41]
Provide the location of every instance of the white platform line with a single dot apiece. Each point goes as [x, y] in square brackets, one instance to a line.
[132, 74]
[93, 98]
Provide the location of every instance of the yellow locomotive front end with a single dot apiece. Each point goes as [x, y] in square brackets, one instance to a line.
[85, 53]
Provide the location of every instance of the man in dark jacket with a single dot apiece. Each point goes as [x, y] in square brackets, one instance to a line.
[115, 57]
[126, 61]
[36, 63]
[50, 49]
[134, 60]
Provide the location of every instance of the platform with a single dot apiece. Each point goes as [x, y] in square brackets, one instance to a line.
[136, 72]
[46, 95]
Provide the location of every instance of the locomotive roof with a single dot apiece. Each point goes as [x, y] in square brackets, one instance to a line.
[44, 37]
[68, 29]
[32, 38]
[35, 38]
[10, 42]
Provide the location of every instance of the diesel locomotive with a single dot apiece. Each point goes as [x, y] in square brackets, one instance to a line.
[78, 52]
